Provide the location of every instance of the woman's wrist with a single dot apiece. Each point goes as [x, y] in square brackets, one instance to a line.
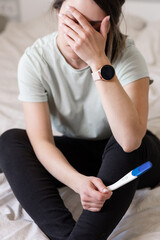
[99, 63]
[76, 182]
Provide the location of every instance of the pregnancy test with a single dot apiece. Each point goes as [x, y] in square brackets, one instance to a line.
[131, 175]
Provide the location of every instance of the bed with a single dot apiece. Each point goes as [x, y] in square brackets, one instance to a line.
[141, 221]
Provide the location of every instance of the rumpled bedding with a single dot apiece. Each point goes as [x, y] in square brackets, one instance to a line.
[142, 220]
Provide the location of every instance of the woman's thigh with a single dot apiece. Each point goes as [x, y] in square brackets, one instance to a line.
[151, 149]
[84, 155]
[35, 187]
[115, 164]
[16, 151]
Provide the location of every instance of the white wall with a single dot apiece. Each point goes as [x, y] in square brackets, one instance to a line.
[30, 9]
[147, 9]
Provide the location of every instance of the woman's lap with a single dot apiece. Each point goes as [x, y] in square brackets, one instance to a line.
[28, 174]
[33, 185]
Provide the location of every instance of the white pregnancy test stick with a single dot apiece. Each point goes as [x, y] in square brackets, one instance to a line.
[131, 176]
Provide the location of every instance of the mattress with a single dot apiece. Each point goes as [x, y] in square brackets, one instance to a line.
[141, 221]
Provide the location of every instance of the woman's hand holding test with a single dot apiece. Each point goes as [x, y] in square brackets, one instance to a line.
[93, 193]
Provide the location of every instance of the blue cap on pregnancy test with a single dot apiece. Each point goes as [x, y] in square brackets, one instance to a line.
[141, 169]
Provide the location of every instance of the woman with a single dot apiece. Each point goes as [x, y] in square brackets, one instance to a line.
[91, 83]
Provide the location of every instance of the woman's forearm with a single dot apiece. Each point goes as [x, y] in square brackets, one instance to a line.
[55, 162]
[93, 192]
[90, 45]
[120, 111]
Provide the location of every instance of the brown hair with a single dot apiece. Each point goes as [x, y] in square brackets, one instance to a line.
[115, 40]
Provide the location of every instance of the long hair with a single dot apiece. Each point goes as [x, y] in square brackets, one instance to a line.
[115, 40]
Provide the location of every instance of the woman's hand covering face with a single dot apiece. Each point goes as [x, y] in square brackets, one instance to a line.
[87, 39]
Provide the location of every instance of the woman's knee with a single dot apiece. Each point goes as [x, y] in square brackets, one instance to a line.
[112, 146]
[116, 158]
[12, 134]
[11, 137]
[9, 143]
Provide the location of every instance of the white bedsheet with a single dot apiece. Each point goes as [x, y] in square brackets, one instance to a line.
[142, 220]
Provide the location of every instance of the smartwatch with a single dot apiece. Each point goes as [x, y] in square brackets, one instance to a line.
[107, 72]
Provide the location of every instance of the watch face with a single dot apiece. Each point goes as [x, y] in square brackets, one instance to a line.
[107, 72]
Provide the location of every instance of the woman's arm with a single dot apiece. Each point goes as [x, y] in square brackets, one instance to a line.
[38, 127]
[126, 109]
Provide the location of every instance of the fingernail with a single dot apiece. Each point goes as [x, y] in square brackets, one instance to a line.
[105, 190]
[68, 7]
[108, 18]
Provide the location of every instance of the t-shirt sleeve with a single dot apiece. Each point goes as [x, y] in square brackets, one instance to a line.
[132, 66]
[30, 84]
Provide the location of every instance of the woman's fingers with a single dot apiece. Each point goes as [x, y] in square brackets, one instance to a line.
[92, 194]
[105, 27]
[79, 17]
[72, 24]
[68, 31]
[92, 209]
[100, 185]
[92, 205]
[83, 38]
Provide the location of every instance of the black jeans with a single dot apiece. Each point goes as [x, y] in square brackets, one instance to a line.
[37, 192]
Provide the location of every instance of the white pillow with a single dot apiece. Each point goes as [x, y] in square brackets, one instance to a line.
[149, 43]
[132, 25]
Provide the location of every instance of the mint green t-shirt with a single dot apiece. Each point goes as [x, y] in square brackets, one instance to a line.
[75, 106]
